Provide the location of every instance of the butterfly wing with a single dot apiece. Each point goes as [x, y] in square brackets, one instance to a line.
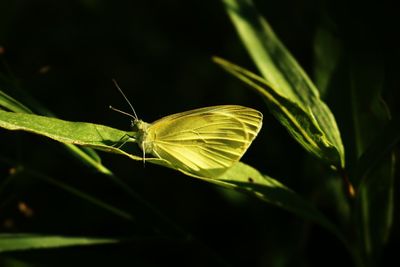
[205, 141]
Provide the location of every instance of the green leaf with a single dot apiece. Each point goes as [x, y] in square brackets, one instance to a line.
[300, 123]
[240, 177]
[87, 156]
[18, 242]
[246, 179]
[282, 72]
[378, 150]
[375, 207]
[77, 133]
[375, 166]
[11, 104]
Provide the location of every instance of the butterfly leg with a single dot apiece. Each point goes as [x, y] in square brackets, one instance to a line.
[123, 142]
[144, 153]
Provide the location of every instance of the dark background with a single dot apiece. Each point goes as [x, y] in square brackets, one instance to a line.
[65, 53]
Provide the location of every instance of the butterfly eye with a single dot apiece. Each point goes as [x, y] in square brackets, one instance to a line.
[138, 125]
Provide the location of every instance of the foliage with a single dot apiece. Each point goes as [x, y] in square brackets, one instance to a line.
[339, 117]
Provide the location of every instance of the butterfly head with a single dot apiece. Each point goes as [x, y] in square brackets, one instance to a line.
[139, 127]
[141, 132]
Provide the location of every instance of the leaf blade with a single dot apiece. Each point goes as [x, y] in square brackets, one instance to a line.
[280, 69]
[300, 123]
[87, 156]
[20, 242]
[248, 180]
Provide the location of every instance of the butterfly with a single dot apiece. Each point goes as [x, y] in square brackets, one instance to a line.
[204, 142]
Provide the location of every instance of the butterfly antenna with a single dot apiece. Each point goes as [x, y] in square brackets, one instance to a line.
[123, 112]
[134, 116]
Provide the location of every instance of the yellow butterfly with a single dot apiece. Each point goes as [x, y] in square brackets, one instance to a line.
[205, 142]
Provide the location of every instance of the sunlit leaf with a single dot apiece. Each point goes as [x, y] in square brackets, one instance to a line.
[281, 71]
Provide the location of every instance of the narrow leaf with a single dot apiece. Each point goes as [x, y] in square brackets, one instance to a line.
[11, 104]
[87, 156]
[246, 179]
[300, 123]
[77, 133]
[241, 177]
[280, 70]
[375, 201]
[18, 242]
[381, 146]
